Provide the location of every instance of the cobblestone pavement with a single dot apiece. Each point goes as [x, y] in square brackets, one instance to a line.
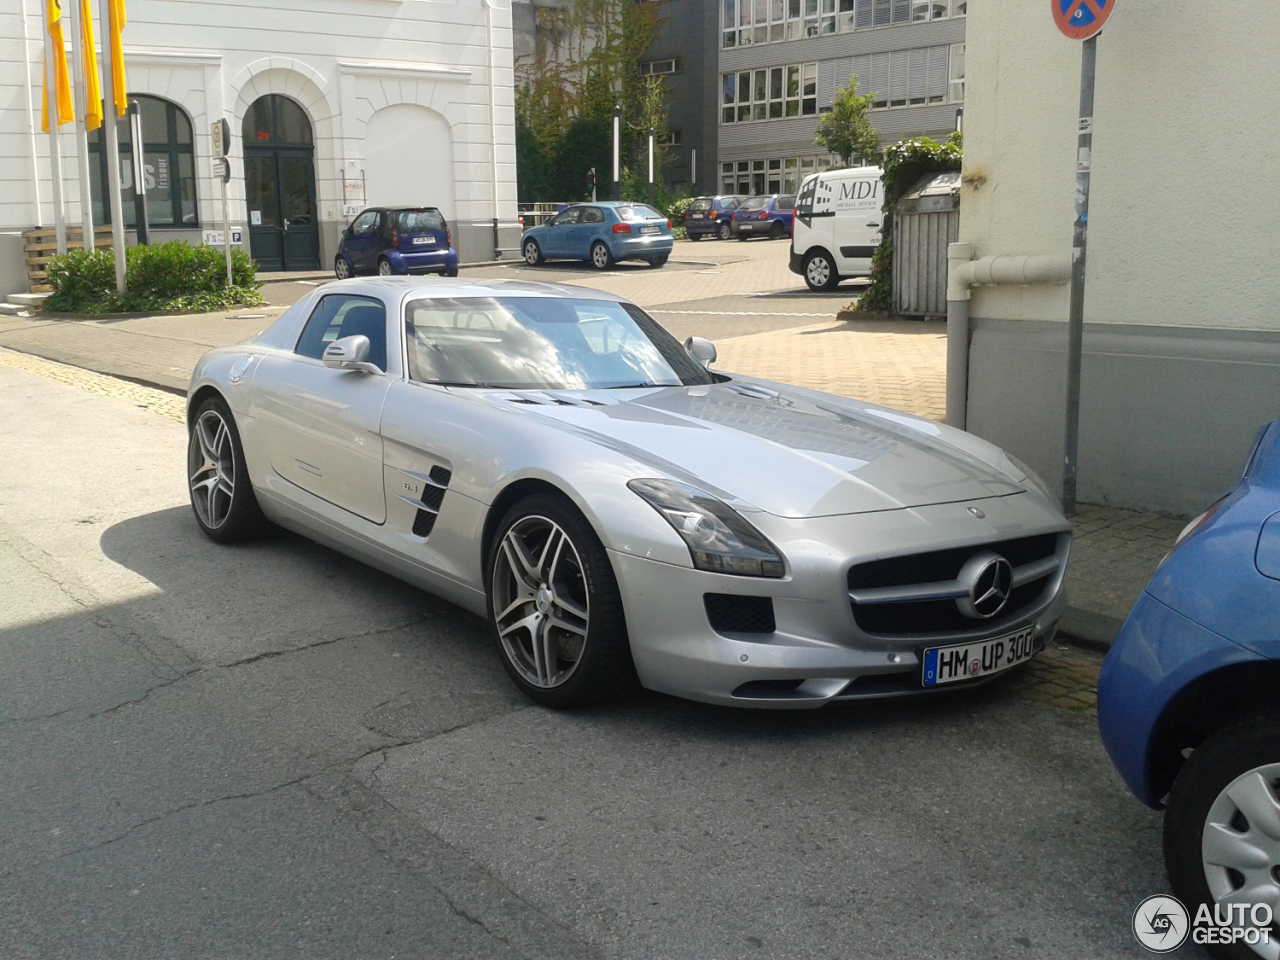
[148, 398]
[1063, 675]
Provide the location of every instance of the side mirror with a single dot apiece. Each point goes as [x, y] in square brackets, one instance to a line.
[704, 351]
[350, 353]
[346, 232]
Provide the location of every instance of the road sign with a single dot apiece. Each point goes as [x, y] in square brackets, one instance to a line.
[1081, 19]
[221, 131]
[217, 238]
[222, 169]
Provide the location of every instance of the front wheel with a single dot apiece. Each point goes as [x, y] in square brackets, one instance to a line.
[384, 268]
[554, 608]
[451, 273]
[723, 231]
[658, 261]
[341, 269]
[601, 258]
[694, 236]
[820, 272]
[1222, 827]
[532, 253]
[217, 479]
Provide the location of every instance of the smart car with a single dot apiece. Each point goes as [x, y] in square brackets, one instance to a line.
[391, 240]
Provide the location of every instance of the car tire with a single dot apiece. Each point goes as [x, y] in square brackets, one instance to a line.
[1240, 761]
[341, 268]
[451, 273]
[384, 268]
[723, 231]
[657, 261]
[552, 595]
[693, 236]
[820, 271]
[222, 497]
[743, 236]
[601, 257]
[533, 253]
[777, 231]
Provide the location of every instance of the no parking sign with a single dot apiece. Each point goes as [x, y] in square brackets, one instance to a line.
[1081, 19]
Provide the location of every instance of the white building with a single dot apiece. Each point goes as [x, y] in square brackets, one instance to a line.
[1182, 309]
[332, 106]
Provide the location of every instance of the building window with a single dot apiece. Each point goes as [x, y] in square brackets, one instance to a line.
[903, 78]
[168, 163]
[670, 139]
[746, 22]
[658, 67]
[773, 93]
[955, 87]
[780, 175]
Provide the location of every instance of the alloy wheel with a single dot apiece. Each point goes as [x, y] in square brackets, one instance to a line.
[341, 268]
[540, 601]
[384, 268]
[723, 231]
[531, 253]
[600, 256]
[211, 469]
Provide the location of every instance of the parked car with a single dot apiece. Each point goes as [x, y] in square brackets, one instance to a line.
[763, 217]
[837, 226]
[550, 458]
[602, 234]
[709, 216]
[1189, 696]
[397, 240]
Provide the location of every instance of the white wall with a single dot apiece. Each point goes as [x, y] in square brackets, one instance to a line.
[409, 156]
[1184, 221]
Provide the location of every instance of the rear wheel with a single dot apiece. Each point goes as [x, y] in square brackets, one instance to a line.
[217, 478]
[820, 272]
[1222, 826]
[723, 231]
[384, 268]
[658, 261]
[341, 269]
[533, 253]
[777, 230]
[601, 258]
[743, 235]
[554, 608]
[695, 236]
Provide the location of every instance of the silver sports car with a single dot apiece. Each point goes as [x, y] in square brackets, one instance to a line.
[550, 458]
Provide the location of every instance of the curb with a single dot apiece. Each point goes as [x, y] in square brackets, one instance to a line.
[1088, 629]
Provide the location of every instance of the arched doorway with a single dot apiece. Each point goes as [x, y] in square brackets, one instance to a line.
[280, 185]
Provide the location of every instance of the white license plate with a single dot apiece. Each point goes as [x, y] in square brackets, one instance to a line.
[695, 216]
[746, 226]
[649, 229]
[969, 660]
[424, 239]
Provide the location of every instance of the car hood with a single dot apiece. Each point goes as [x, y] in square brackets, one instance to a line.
[791, 454]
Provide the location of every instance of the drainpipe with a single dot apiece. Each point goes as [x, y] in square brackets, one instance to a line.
[31, 117]
[493, 122]
[964, 272]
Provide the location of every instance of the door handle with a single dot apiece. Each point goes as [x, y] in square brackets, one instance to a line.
[869, 224]
[286, 225]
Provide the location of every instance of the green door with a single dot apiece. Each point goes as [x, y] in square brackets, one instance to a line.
[280, 185]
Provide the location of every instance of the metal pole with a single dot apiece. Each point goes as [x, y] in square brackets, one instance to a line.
[139, 175]
[112, 146]
[651, 167]
[79, 57]
[1079, 246]
[617, 135]
[226, 224]
[55, 146]
[693, 167]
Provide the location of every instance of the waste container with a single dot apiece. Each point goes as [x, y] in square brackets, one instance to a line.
[926, 219]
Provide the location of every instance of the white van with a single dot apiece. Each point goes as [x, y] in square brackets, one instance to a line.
[837, 225]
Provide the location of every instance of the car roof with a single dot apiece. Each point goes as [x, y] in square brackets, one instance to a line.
[423, 287]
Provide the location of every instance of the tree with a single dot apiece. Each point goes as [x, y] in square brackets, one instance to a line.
[845, 131]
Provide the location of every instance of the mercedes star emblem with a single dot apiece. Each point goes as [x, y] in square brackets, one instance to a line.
[989, 579]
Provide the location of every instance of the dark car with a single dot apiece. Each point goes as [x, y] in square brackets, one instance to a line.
[1189, 702]
[709, 216]
[766, 216]
[391, 240]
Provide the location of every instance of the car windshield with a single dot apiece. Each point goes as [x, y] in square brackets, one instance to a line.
[755, 203]
[543, 343]
[639, 211]
[417, 221]
[700, 204]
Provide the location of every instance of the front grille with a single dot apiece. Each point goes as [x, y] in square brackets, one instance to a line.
[728, 613]
[943, 616]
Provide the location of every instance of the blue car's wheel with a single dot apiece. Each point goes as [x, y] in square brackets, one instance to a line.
[532, 253]
[723, 232]
[384, 268]
[601, 258]
[341, 268]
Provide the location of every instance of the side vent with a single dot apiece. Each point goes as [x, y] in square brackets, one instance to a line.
[434, 486]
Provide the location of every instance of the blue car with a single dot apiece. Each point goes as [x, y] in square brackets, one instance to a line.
[391, 240]
[709, 216]
[1189, 698]
[602, 234]
[767, 216]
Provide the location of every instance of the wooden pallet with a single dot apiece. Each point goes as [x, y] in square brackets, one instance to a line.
[41, 243]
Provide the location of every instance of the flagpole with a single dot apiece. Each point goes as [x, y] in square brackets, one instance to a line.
[79, 59]
[112, 142]
[55, 148]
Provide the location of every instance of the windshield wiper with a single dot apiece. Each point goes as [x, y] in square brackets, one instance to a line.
[630, 386]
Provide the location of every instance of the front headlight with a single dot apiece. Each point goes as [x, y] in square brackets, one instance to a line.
[718, 537]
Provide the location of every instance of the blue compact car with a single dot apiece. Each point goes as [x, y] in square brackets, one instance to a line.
[1189, 699]
[602, 234]
[710, 216]
[397, 240]
[763, 217]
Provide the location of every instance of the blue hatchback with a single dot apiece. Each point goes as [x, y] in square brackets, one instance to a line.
[709, 216]
[391, 240]
[1189, 697]
[768, 216]
[601, 234]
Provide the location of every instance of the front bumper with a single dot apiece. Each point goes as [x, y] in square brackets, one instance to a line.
[816, 639]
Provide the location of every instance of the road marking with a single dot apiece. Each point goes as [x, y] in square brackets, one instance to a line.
[157, 401]
[736, 313]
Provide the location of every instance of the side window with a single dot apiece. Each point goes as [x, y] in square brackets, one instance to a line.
[342, 315]
[593, 215]
[785, 203]
[567, 216]
[365, 223]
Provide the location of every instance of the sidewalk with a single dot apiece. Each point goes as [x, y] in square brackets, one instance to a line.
[900, 364]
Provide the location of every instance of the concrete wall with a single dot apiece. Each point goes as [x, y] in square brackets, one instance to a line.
[342, 62]
[1183, 295]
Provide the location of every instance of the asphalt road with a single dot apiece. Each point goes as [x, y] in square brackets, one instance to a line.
[272, 751]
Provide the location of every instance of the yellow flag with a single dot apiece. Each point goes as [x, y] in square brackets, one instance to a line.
[115, 45]
[92, 80]
[66, 112]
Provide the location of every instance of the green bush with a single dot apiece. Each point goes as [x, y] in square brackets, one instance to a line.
[166, 276]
